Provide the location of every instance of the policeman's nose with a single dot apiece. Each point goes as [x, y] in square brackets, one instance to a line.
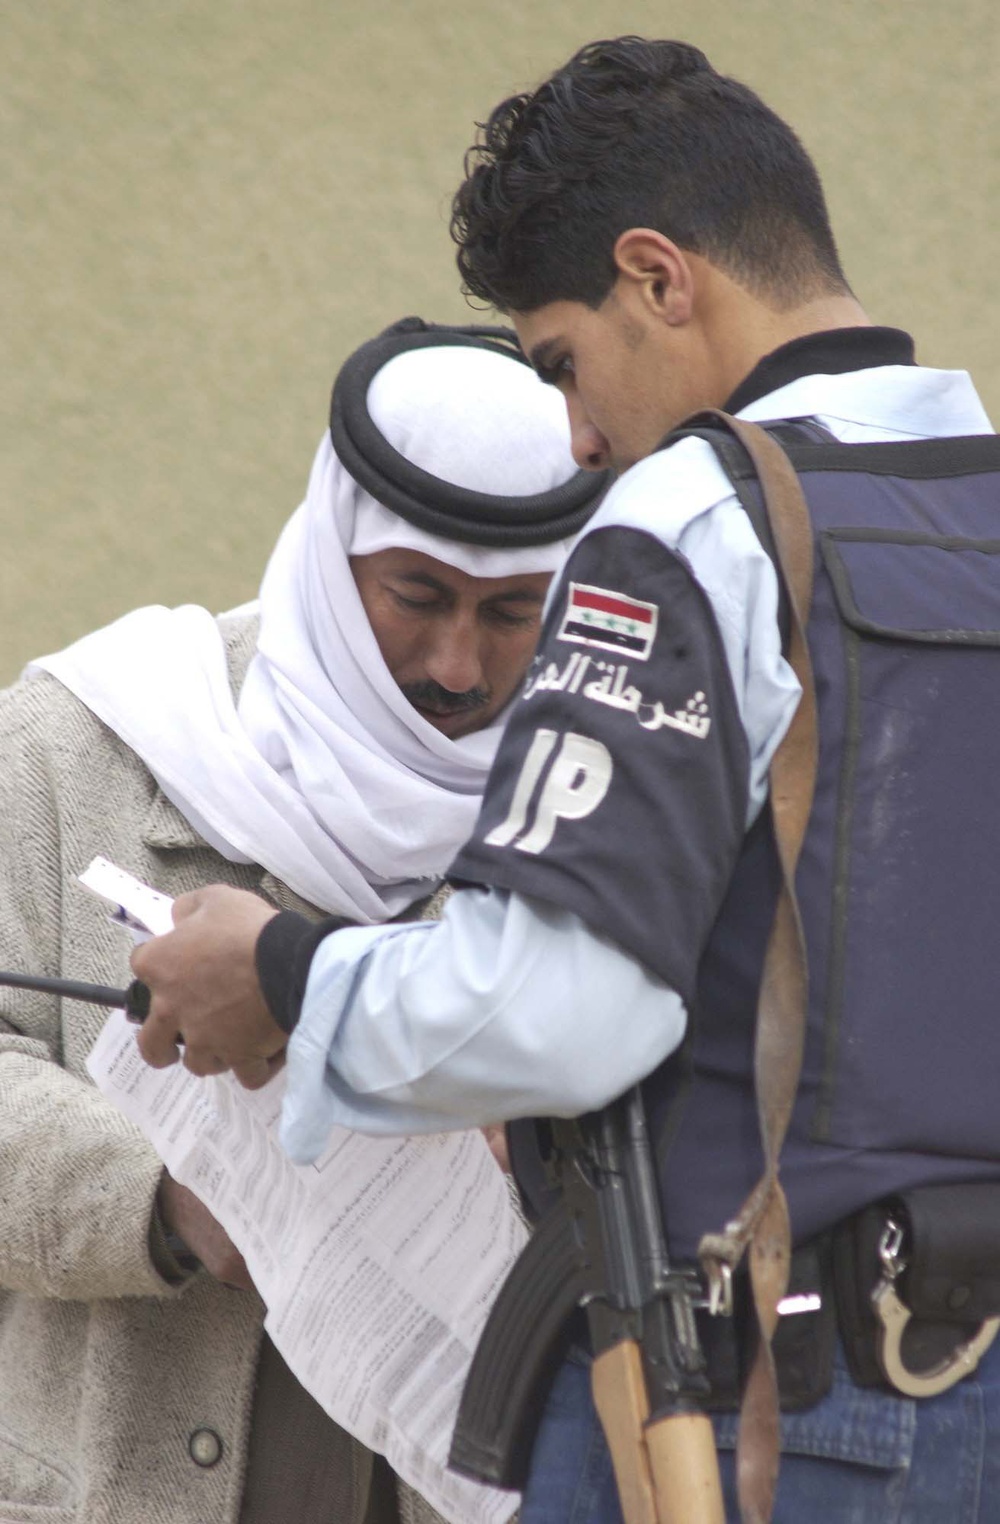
[589, 448]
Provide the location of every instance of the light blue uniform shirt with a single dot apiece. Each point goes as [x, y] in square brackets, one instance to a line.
[504, 1007]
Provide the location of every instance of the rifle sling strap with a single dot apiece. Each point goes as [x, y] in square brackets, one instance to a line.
[761, 1227]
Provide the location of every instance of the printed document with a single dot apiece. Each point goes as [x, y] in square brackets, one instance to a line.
[377, 1264]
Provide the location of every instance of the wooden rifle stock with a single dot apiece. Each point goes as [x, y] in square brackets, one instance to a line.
[671, 1476]
[602, 1247]
[646, 1387]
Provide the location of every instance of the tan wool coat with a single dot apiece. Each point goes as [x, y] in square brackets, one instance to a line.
[127, 1389]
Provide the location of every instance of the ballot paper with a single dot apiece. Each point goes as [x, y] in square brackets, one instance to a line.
[377, 1264]
[134, 905]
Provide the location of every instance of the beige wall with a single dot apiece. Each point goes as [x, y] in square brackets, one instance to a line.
[207, 202]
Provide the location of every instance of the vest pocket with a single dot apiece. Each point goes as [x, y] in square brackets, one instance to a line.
[907, 980]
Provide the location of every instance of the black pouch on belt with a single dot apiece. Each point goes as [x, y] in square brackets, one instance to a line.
[803, 1344]
[948, 1278]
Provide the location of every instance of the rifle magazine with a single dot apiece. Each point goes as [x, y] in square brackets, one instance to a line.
[519, 1352]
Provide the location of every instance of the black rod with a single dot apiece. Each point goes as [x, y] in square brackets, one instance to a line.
[134, 1001]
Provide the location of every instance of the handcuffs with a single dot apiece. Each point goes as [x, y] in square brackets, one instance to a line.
[893, 1316]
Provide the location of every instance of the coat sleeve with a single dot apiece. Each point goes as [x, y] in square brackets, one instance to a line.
[77, 1180]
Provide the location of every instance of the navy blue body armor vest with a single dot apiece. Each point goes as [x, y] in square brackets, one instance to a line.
[899, 882]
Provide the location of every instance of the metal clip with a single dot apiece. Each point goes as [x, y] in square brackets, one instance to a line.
[890, 1249]
[720, 1289]
[894, 1315]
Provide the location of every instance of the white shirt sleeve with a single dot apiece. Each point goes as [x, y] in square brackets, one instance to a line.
[505, 1007]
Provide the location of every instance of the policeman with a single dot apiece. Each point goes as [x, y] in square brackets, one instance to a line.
[661, 241]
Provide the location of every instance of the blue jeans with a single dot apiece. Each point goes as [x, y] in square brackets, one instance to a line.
[857, 1457]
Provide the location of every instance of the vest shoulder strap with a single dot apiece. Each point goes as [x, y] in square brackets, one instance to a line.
[761, 1226]
[912, 459]
[740, 469]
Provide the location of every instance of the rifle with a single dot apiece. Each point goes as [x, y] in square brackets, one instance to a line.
[602, 1246]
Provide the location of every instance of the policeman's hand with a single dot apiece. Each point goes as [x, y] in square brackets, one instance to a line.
[183, 1213]
[204, 991]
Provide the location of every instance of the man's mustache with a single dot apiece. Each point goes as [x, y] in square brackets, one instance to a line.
[428, 694]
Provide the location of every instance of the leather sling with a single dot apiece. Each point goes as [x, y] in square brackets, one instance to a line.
[761, 1227]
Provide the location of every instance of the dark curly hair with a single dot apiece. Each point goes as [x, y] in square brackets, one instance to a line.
[638, 133]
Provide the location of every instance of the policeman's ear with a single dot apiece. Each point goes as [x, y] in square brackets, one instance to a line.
[656, 275]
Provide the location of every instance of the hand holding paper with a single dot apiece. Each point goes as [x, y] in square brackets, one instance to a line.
[185, 1214]
[203, 981]
[377, 1263]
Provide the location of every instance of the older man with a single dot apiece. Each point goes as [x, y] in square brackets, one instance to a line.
[328, 752]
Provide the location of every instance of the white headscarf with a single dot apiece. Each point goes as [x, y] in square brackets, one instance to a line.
[324, 773]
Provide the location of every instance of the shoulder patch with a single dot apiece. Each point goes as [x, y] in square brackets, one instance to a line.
[595, 616]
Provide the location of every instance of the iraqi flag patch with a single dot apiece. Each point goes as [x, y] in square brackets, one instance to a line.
[596, 617]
